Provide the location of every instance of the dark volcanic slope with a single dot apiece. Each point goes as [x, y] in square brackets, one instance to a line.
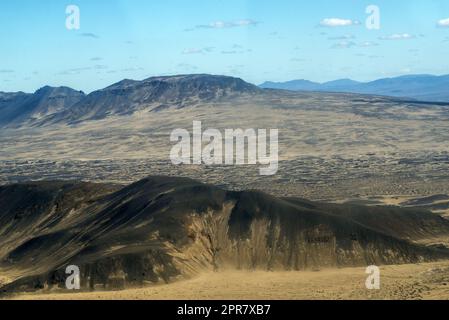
[51, 105]
[128, 96]
[19, 108]
[161, 228]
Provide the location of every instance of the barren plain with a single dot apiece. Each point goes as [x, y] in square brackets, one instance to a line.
[333, 148]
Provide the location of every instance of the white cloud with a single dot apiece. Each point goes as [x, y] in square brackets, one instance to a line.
[132, 69]
[74, 71]
[197, 50]
[228, 24]
[443, 23]
[236, 49]
[367, 44]
[192, 51]
[218, 25]
[398, 36]
[89, 35]
[344, 44]
[229, 52]
[337, 22]
[245, 22]
[344, 37]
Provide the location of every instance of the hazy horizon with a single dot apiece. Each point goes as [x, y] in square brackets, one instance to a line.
[253, 40]
[256, 84]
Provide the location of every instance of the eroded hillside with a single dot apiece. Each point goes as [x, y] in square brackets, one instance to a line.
[161, 229]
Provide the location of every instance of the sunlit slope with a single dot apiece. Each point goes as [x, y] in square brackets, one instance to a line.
[161, 229]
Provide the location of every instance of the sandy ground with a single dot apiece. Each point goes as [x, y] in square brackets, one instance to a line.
[419, 281]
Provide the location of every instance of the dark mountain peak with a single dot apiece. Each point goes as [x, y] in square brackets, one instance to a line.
[49, 100]
[194, 82]
[19, 108]
[128, 96]
[10, 96]
[44, 89]
[345, 81]
[201, 77]
[58, 91]
[123, 84]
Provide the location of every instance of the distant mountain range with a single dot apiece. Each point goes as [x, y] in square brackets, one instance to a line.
[50, 105]
[420, 87]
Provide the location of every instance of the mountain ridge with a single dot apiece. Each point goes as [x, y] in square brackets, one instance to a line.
[128, 96]
[18, 108]
[422, 87]
[54, 105]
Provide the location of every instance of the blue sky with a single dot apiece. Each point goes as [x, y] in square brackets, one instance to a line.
[256, 40]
